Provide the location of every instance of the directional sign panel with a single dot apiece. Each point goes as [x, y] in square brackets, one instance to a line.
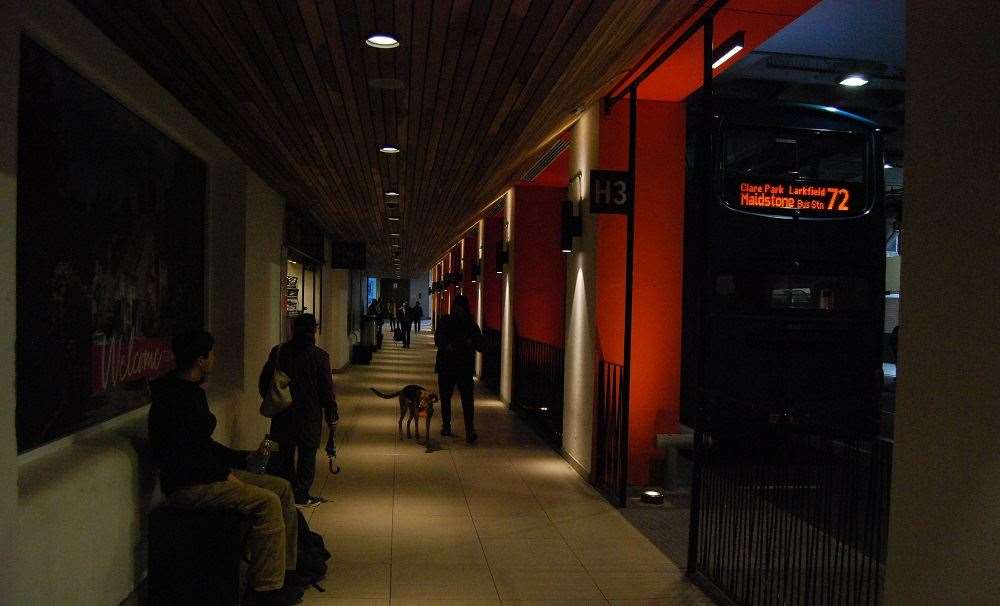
[611, 192]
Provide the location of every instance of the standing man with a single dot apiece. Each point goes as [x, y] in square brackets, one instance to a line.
[458, 338]
[298, 429]
[418, 314]
[403, 321]
[196, 472]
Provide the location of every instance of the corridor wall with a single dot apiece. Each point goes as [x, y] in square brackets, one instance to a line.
[654, 405]
[72, 511]
[470, 251]
[540, 290]
[492, 282]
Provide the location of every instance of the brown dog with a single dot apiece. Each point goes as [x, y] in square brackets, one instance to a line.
[412, 400]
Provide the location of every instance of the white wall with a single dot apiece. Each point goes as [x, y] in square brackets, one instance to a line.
[581, 303]
[71, 512]
[945, 507]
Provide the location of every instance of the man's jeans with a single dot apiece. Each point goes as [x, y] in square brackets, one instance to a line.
[268, 500]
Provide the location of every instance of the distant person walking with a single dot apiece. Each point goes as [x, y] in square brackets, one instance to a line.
[299, 428]
[403, 321]
[390, 310]
[458, 338]
[417, 314]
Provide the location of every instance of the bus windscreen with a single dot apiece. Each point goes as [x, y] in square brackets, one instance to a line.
[812, 174]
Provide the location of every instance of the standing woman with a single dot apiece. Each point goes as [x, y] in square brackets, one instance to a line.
[458, 338]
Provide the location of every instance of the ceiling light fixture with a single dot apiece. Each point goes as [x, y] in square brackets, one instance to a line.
[854, 80]
[392, 194]
[725, 51]
[394, 218]
[381, 41]
[389, 149]
[394, 234]
[887, 165]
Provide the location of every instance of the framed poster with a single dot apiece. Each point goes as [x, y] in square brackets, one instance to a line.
[110, 252]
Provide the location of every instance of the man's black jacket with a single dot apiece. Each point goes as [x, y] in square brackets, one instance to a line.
[180, 433]
[458, 338]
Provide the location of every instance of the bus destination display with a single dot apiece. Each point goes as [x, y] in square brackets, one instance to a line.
[780, 197]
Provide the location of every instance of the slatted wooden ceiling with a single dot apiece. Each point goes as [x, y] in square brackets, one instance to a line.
[288, 85]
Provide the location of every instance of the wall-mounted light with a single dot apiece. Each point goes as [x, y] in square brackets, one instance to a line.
[382, 41]
[572, 226]
[475, 270]
[725, 51]
[503, 257]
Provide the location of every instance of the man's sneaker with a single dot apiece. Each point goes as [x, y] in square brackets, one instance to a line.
[310, 501]
[286, 596]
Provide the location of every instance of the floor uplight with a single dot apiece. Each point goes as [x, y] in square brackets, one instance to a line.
[652, 497]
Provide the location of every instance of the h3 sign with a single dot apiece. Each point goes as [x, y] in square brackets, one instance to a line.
[611, 192]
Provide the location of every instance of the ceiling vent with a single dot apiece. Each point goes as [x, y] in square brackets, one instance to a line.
[543, 161]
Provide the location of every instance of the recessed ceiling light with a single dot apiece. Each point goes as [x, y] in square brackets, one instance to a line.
[395, 245]
[854, 80]
[389, 149]
[887, 165]
[381, 41]
[394, 234]
[725, 51]
[394, 218]
[392, 194]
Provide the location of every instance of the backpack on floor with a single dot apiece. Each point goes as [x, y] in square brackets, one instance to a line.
[312, 554]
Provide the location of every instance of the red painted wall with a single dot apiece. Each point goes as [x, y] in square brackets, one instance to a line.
[469, 288]
[540, 285]
[656, 303]
[493, 284]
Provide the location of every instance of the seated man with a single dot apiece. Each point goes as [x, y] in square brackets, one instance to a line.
[197, 472]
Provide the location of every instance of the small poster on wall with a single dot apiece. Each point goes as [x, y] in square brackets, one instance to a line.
[110, 252]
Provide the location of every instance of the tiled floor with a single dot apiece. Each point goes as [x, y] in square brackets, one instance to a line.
[504, 521]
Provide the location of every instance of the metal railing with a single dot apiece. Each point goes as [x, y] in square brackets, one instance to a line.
[609, 468]
[491, 359]
[786, 518]
[538, 385]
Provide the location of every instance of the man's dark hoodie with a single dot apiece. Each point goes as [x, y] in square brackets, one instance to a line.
[180, 433]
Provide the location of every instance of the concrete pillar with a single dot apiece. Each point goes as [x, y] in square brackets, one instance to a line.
[334, 338]
[480, 234]
[9, 48]
[581, 299]
[945, 506]
[507, 330]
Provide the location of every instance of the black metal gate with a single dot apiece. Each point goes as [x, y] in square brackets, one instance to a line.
[785, 518]
[609, 468]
